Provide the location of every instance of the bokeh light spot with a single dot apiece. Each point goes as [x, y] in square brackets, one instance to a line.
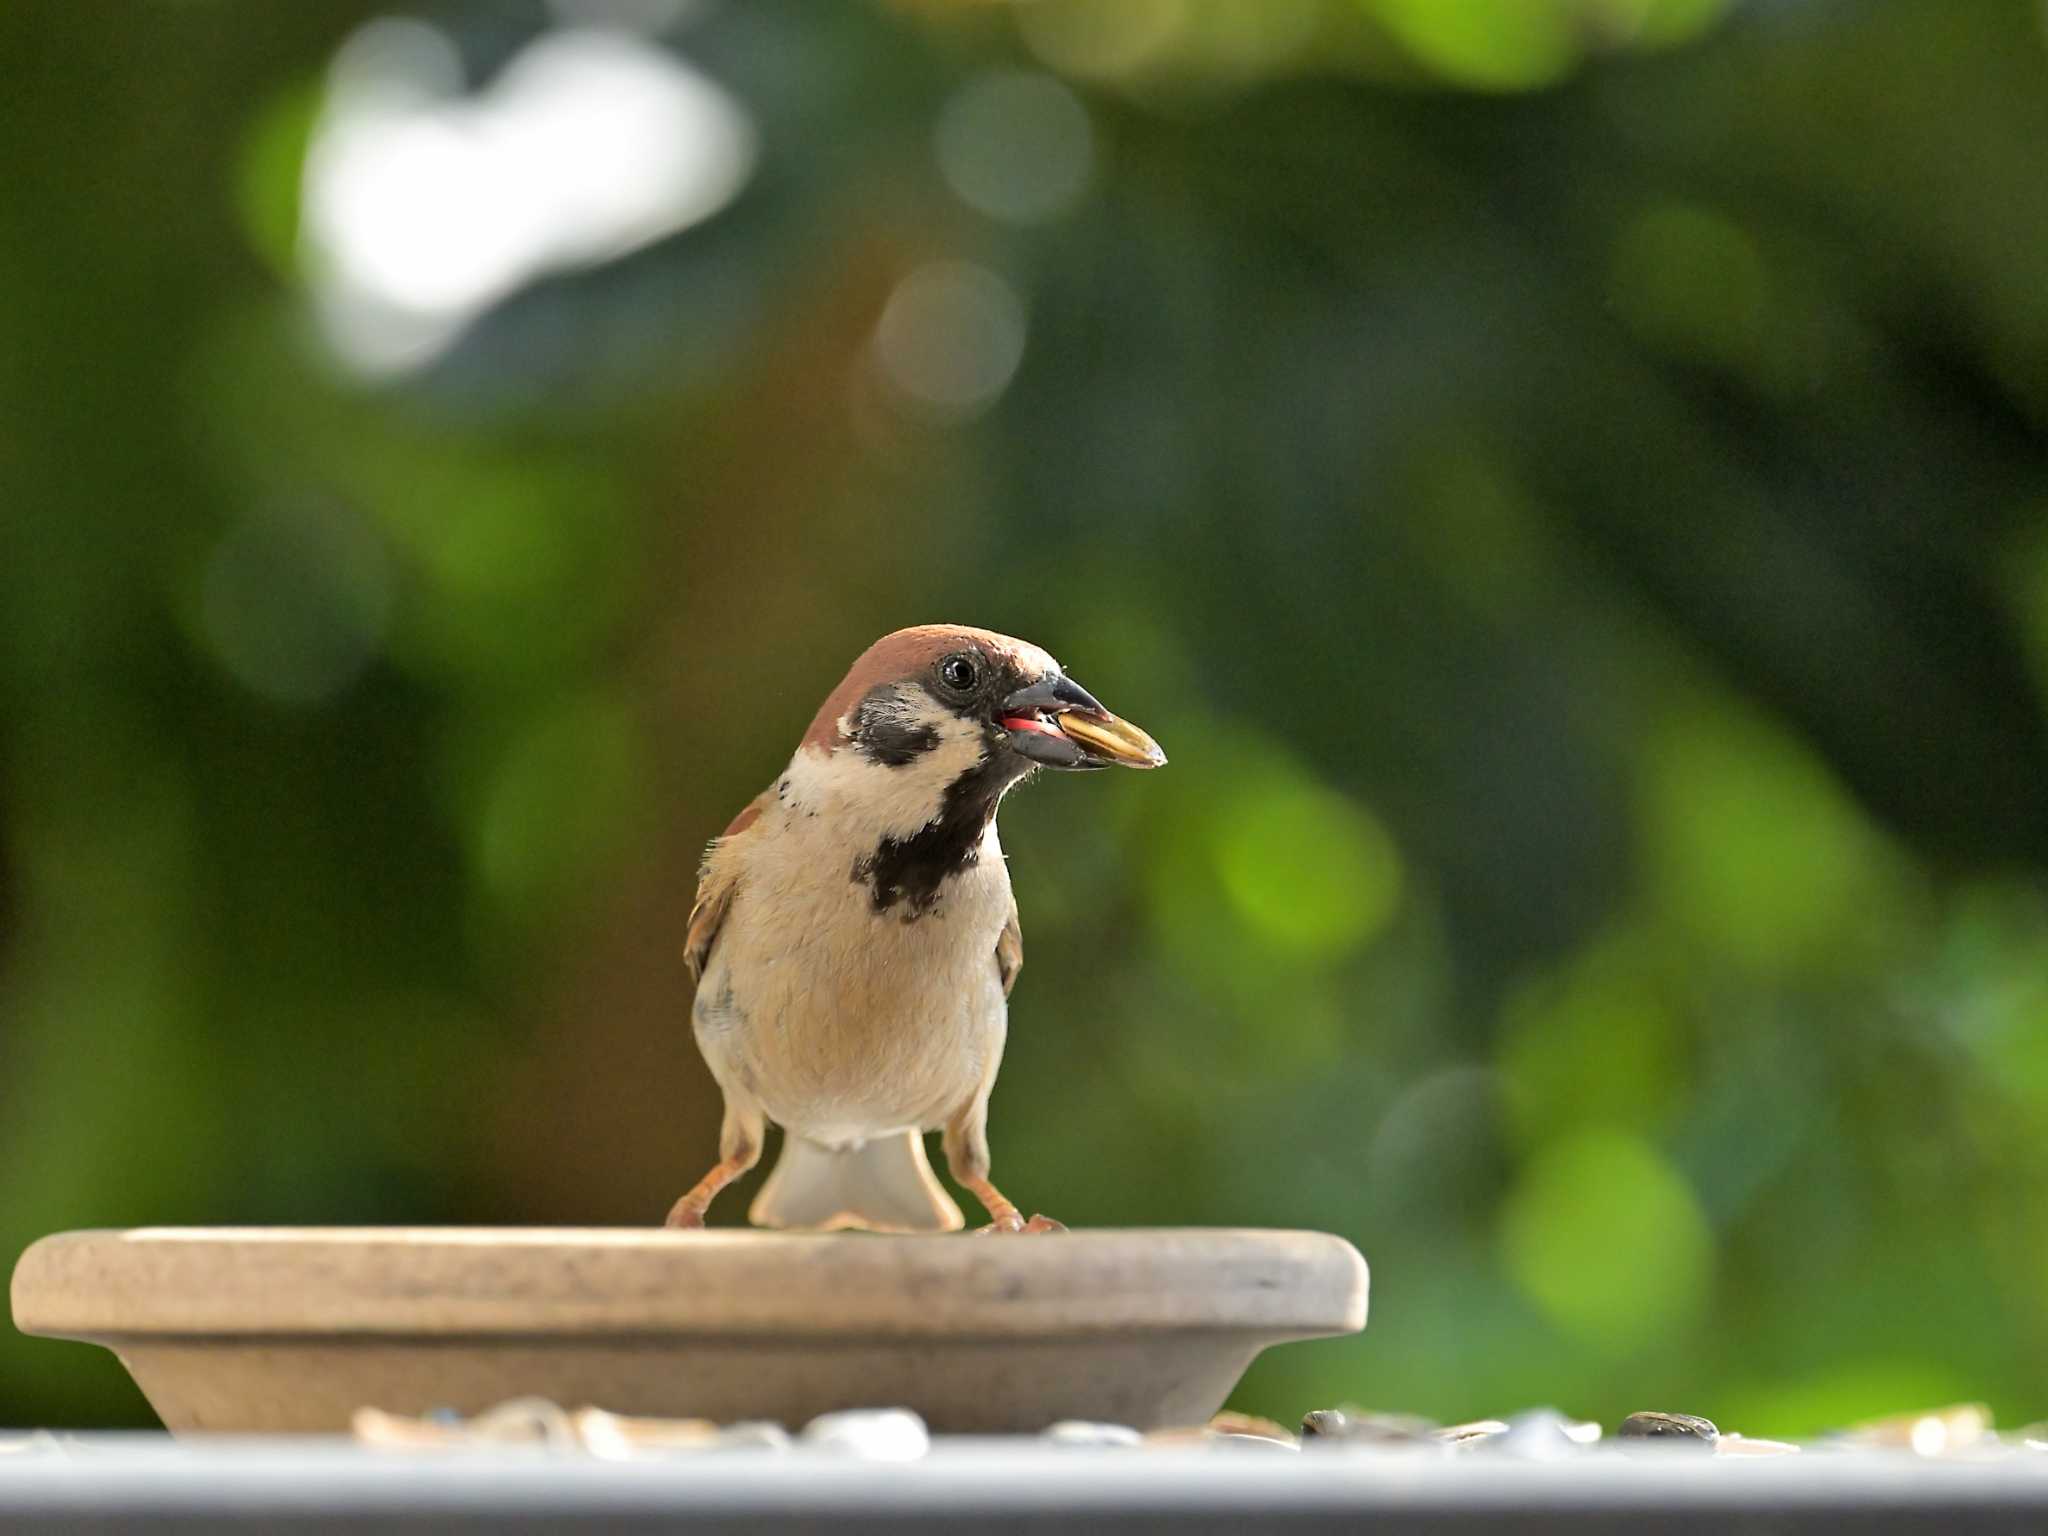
[1015, 146]
[267, 183]
[1992, 982]
[950, 338]
[1751, 843]
[1310, 871]
[650, 16]
[1522, 45]
[562, 796]
[1491, 45]
[1605, 1237]
[1597, 1044]
[423, 206]
[1482, 529]
[1244, 39]
[1690, 282]
[295, 605]
[519, 561]
[1102, 39]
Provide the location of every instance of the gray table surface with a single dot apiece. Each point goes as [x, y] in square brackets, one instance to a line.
[117, 1483]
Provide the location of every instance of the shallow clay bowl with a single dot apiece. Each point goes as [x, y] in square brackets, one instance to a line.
[291, 1329]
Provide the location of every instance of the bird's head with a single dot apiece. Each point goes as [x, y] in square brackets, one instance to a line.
[947, 699]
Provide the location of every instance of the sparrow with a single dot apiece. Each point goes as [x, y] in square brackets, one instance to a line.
[854, 936]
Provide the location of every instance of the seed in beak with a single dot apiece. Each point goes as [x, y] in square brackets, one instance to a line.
[1118, 740]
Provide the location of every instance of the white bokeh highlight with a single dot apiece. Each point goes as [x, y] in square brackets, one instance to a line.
[950, 339]
[424, 205]
[1017, 146]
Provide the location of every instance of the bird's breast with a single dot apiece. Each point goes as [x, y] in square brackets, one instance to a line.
[842, 1009]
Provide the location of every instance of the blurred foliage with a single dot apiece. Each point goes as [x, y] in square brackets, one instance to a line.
[1565, 479]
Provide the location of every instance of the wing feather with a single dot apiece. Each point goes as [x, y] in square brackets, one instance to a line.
[717, 879]
[1010, 950]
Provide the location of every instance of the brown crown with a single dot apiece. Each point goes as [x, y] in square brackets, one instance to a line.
[906, 653]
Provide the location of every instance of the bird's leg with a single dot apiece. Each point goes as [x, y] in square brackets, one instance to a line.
[739, 1146]
[689, 1211]
[1007, 1217]
[966, 1143]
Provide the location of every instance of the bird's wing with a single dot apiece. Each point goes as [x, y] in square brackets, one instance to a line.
[1010, 950]
[716, 881]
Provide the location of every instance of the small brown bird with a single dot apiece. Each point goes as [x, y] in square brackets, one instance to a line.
[855, 940]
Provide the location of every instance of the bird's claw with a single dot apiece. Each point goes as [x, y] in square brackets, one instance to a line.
[685, 1219]
[1014, 1222]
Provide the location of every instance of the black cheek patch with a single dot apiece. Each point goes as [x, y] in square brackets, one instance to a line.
[882, 735]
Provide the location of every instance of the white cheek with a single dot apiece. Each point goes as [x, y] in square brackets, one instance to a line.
[866, 800]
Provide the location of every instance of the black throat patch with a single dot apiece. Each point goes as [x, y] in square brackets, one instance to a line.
[910, 872]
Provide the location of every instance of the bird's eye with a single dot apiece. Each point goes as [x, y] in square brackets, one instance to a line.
[957, 673]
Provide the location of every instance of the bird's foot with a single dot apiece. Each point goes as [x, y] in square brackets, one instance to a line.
[687, 1214]
[1014, 1222]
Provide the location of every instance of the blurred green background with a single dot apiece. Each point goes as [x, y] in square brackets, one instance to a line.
[1566, 480]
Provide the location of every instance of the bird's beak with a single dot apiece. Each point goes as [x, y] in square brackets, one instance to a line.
[1057, 722]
